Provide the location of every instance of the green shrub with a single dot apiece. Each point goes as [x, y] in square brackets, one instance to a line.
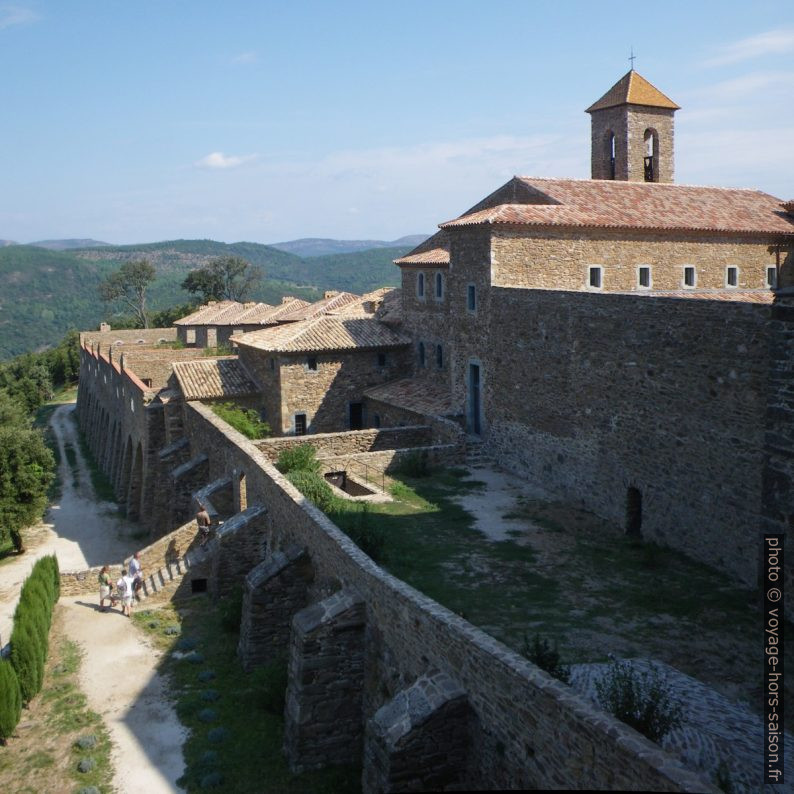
[300, 458]
[414, 464]
[27, 657]
[270, 686]
[643, 700]
[541, 653]
[314, 488]
[231, 609]
[10, 701]
[244, 420]
[369, 537]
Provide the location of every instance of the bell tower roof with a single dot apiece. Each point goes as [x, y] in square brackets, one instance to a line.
[633, 89]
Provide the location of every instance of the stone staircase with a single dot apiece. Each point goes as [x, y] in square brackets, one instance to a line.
[166, 579]
[476, 456]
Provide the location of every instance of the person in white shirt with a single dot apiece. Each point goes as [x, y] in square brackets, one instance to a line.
[135, 573]
[124, 587]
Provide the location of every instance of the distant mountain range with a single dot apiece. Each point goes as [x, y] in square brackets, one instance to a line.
[66, 245]
[320, 246]
[46, 290]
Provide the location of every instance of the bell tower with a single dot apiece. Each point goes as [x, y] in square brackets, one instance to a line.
[632, 132]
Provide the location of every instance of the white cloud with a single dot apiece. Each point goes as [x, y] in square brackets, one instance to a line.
[751, 84]
[220, 160]
[772, 42]
[246, 57]
[16, 15]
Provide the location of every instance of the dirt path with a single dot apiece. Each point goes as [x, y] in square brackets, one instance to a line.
[118, 674]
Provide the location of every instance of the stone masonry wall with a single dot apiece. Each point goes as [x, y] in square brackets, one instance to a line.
[330, 444]
[157, 555]
[126, 338]
[530, 730]
[672, 402]
[559, 259]
[324, 395]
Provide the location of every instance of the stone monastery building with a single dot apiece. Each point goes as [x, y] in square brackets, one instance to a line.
[623, 341]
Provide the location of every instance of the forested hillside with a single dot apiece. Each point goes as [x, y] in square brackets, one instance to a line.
[43, 293]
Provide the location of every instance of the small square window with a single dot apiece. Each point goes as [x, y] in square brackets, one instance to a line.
[381, 359]
[731, 276]
[471, 298]
[594, 276]
[689, 276]
[644, 277]
[311, 363]
[771, 277]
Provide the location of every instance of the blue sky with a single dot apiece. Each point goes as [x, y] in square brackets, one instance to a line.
[266, 121]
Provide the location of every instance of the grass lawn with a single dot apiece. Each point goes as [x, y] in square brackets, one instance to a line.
[567, 576]
[235, 718]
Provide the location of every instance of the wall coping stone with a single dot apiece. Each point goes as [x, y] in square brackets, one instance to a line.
[272, 566]
[175, 446]
[184, 468]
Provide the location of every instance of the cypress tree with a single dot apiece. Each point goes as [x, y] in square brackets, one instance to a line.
[10, 701]
[27, 658]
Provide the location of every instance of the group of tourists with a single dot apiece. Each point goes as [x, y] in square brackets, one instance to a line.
[126, 588]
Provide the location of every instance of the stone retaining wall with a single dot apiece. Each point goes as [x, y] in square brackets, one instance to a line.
[530, 731]
[350, 441]
[159, 554]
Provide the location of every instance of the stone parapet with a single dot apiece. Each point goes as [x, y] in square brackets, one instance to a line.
[323, 712]
[274, 591]
[419, 740]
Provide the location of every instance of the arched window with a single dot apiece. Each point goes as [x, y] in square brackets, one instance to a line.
[439, 286]
[651, 159]
[420, 285]
[610, 154]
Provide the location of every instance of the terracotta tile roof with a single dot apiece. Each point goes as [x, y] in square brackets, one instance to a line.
[323, 306]
[212, 378]
[390, 310]
[630, 205]
[633, 89]
[733, 295]
[365, 306]
[229, 313]
[233, 313]
[420, 395]
[323, 333]
[433, 251]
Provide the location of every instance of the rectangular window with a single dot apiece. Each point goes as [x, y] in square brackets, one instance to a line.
[272, 364]
[440, 356]
[644, 276]
[471, 298]
[421, 349]
[381, 359]
[356, 416]
[731, 276]
[300, 424]
[689, 276]
[771, 277]
[311, 363]
[594, 276]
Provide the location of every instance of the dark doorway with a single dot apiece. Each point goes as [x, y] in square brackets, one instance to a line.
[634, 512]
[198, 585]
[356, 416]
[300, 424]
[474, 399]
